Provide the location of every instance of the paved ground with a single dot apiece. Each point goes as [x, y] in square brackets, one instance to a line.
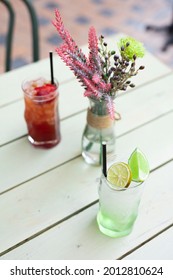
[107, 16]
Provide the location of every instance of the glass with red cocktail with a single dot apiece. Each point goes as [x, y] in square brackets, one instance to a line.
[41, 112]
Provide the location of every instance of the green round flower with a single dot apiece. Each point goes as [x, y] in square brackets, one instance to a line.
[129, 47]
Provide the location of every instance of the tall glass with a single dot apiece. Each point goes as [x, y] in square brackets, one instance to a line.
[118, 207]
[41, 112]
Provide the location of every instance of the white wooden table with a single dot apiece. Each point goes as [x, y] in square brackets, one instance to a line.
[49, 199]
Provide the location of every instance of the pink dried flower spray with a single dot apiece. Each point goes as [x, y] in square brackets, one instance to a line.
[103, 72]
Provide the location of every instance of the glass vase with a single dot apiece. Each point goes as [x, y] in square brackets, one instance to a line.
[99, 127]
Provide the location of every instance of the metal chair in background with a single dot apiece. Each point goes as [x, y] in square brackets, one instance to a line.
[10, 32]
[168, 29]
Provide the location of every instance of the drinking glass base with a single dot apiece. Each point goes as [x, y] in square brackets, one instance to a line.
[43, 144]
[112, 233]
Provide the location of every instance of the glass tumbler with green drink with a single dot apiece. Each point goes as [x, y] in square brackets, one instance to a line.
[120, 191]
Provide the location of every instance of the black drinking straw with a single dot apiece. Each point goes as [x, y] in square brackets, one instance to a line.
[104, 163]
[51, 67]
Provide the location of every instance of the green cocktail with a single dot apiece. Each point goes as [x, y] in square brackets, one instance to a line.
[120, 195]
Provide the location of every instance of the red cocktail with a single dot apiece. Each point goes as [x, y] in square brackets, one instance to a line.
[41, 112]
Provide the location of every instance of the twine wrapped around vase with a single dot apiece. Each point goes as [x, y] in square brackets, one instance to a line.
[99, 122]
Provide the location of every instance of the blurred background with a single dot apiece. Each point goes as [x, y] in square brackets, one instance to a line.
[107, 16]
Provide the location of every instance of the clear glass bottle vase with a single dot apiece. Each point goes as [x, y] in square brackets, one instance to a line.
[99, 127]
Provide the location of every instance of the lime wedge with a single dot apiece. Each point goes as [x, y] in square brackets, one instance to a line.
[139, 166]
[119, 174]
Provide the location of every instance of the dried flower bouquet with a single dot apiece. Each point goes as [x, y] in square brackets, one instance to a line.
[104, 72]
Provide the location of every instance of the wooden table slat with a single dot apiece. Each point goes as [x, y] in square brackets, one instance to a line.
[156, 249]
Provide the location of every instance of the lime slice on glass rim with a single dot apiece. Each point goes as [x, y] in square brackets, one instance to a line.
[139, 166]
[119, 175]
